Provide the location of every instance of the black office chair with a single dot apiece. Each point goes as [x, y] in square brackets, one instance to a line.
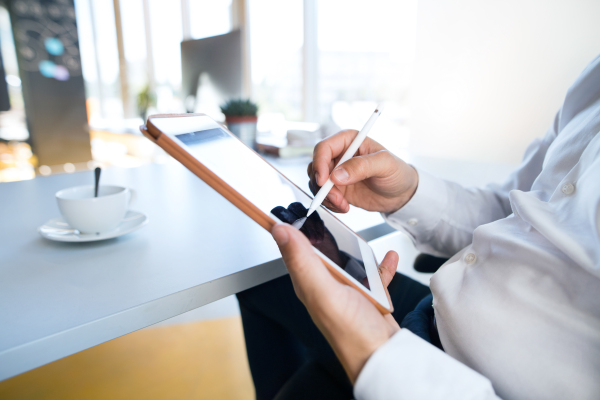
[427, 263]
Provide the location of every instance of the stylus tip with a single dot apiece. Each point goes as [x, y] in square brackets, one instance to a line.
[299, 223]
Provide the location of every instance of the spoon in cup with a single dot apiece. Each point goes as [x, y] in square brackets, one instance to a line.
[96, 180]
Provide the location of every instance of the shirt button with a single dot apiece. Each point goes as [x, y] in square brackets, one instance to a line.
[470, 258]
[568, 188]
[413, 221]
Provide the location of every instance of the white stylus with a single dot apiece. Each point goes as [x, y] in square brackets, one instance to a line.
[324, 191]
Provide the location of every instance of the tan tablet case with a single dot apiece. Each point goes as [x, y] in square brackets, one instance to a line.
[223, 188]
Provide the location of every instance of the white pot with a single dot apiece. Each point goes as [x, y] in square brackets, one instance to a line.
[244, 128]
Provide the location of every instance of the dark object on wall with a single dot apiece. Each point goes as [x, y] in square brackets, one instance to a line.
[4, 99]
[47, 44]
[220, 58]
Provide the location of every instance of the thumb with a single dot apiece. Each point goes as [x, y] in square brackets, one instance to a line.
[356, 169]
[309, 276]
[388, 267]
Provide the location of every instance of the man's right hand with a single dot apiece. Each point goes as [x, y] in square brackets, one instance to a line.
[374, 179]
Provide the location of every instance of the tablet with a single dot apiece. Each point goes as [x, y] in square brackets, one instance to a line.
[253, 185]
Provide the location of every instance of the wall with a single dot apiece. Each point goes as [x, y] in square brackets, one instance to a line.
[489, 76]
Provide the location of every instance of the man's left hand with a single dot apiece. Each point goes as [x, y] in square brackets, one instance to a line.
[351, 324]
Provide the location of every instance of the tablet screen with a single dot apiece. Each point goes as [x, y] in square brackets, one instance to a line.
[260, 183]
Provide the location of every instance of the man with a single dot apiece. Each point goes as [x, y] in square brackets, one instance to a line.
[517, 306]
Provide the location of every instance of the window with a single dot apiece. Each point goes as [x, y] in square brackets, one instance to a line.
[276, 38]
[134, 44]
[365, 53]
[12, 122]
[366, 50]
[99, 57]
[209, 18]
[98, 38]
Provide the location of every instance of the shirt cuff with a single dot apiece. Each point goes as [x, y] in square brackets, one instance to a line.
[407, 367]
[423, 212]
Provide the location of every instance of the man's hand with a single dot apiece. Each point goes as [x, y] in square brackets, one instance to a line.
[375, 179]
[350, 323]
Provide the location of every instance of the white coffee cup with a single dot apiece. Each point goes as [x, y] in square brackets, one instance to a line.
[89, 214]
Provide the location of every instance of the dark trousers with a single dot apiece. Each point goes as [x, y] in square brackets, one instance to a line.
[289, 357]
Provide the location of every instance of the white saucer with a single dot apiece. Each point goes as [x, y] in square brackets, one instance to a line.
[58, 229]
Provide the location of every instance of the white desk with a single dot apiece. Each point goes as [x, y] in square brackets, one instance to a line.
[57, 299]
[60, 298]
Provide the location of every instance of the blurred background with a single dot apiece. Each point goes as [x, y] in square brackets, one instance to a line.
[465, 80]
[466, 85]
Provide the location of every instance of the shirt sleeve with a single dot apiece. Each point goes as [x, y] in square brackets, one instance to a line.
[442, 215]
[407, 367]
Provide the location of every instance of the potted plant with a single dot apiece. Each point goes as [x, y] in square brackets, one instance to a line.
[240, 117]
[145, 100]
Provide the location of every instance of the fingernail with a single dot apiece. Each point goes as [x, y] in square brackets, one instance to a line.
[341, 174]
[332, 198]
[280, 235]
[317, 177]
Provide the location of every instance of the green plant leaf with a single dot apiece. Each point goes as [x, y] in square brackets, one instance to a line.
[239, 108]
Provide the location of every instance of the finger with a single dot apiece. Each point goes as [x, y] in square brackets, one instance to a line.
[312, 182]
[335, 209]
[327, 150]
[339, 206]
[337, 199]
[388, 267]
[309, 171]
[359, 168]
[331, 207]
[312, 185]
[309, 275]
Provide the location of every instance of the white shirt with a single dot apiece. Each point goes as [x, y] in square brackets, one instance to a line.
[518, 308]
